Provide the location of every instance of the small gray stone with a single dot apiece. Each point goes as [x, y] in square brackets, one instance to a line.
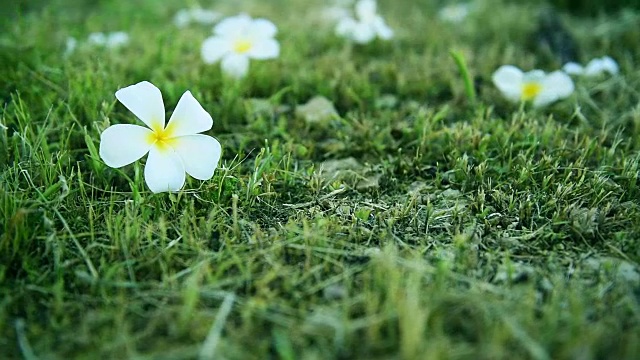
[318, 110]
[337, 169]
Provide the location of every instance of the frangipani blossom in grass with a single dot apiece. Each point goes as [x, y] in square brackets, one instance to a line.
[334, 13]
[366, 26]
[337, 10]
[454, 13]
[534, 86]
[197, 15]
[174, 148]
[70, 45]
[238, 39]
[595, 67]
[109, 40]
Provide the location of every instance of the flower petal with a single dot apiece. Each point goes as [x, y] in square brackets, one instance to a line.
[366, 9]
[334, 13]
[264, 49]
[610, 65]
[233, 26]
[123, 144]
[595, 67]
[363, 33]
[214, 48]
[454, 13]
[97, 38]
[555, 86]
[182, 18]
[204, 17]
[345, 26]
[508, 79]
[573, 68]
[262, 28]
[189, 117]
[200, 155]
[235, 65]
[534, 76]
[382, 29]
[164, 170]
[70, 45]
[116, 39]
[144, 100]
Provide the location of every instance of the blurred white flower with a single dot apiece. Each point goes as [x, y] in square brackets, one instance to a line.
[595, 67]
[109, 40]
[97, 38]
[201, 16]
[116, 39]
[535, 86]
[335, 13]
[173, 149]
[602, 65]
[366, 25]
[573, 68]
[455, 13]
[240, 38]
[70, 45]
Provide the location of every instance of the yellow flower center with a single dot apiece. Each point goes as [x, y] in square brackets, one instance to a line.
[242, 46]
[530, 90]
[162, 138]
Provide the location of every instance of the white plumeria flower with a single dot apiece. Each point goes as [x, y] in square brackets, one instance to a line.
[240, 38]
[366, 26]
[334, 13]
[604, 64]
[595, 67]
[535, 86]
[338, 10]
[117, 39]
[182, 18]
[97, 38]
[70, 45]
[173, 149]
[573, 68]
[185, 17]
[455, 13]
[109, 40]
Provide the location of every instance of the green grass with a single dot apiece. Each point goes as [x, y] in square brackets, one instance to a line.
[467, 229]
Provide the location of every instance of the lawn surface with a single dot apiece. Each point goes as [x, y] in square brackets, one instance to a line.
[417, 224]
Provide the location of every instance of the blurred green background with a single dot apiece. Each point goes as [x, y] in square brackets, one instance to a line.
[593, 7]
[578, 7]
